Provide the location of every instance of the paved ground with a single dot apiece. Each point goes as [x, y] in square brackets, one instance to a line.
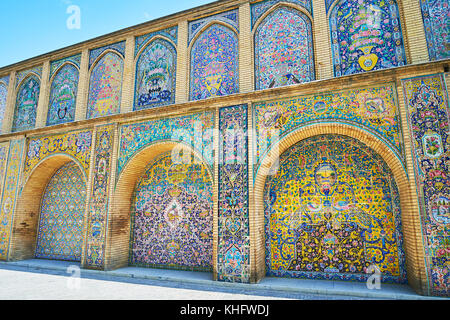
[50, 280]
[17, 285]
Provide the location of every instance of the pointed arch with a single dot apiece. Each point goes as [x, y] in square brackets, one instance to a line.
[28, 207]
[410, 219]
[155, 75]
[27, 98]
[105, 85]
[365, 36]
[63, 94]
[3, 98]
[294, 59]
[214, 61]
[118, 243]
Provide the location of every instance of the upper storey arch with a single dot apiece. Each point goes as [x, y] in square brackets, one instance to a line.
[4, 81]
[283, 46]
[105, 81]
[214, 59]
[155, 73]
[366, 35]
[27, 99]
[63, 94]
[435, 15]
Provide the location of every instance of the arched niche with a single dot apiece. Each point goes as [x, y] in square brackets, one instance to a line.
[28, 206]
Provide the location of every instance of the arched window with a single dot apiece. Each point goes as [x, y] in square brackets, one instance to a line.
[283, 49]
[214, 63]
[365, 36]
[155, 75]
[63, 95]
[105, 87]
[26, 104]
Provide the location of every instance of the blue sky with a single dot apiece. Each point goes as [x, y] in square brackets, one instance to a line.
[40, 26]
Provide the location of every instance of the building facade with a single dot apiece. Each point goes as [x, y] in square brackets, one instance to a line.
[294, 138]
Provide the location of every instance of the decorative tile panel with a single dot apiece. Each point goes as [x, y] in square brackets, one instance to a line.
[155, 75]
[259, 8]
[234, 234]
[172, 216]
[3, 97]
[332, 210]
[372, 109]
[76, 144]
[10, 186]
[61, 221]
[141, 41]
[55, 65]
[426, 99]
[436, 20]
[26, 104]
[366, 36]
[214, 63]
[119, 47]
[63, 95]
[284, 49]
[105, 86]
[195, 130]
[229, 17]
[99, 199]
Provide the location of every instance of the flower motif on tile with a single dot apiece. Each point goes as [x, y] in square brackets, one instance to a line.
[60, 233]
[374, 109]
[214, 63]
[435, 14]
[194, 130]
[155, 75]
[26, 104]
[428, 119]
[98, 203]
[284, 49]
[366, 35]
[332, 210]
[3, 96]
[11, 182]
[63, 95]
[76, 144]
[172, 219]
[234, 243]
[259, 8]
[105, 87]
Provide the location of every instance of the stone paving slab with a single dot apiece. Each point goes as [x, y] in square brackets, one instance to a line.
[269, 286]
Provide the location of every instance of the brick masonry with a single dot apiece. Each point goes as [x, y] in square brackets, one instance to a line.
[23, 217]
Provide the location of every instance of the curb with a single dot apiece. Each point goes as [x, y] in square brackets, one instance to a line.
[258, 288]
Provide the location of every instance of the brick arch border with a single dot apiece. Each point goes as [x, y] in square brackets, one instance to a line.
[119, 221]
[413, 245]
[28, 207]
